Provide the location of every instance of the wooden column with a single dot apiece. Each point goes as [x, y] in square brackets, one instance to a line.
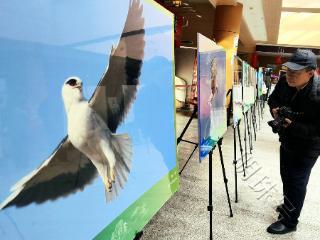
[226, 34]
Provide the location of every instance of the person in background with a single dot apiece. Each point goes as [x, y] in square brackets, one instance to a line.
[274, 81]
[267, 81]
[298, 127]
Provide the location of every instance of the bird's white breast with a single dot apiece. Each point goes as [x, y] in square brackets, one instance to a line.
[81, 126]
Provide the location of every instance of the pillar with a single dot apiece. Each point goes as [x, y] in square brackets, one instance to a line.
[226, 33]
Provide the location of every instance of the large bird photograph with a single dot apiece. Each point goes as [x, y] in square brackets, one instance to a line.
[91, 146]
[87, 133]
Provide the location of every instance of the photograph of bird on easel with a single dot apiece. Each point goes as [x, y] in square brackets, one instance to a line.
[87, 137]
[92, 146]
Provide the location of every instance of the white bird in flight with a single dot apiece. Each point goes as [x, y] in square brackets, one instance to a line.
[91, 145]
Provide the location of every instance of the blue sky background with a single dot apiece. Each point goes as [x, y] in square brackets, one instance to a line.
[41, 44]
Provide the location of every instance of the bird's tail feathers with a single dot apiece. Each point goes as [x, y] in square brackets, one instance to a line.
[122, 147]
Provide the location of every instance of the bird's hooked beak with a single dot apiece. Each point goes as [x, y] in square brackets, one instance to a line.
[78, 85]
[74, 82]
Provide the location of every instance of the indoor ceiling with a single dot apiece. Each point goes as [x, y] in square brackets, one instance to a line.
[285, 23]
[289, 23]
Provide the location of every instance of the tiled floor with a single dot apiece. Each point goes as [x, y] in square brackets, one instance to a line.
[185, 215]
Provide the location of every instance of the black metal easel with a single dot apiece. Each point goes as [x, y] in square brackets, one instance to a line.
[224, 175]
[253, 121]
[245, 138]
[180, 138]
[210, 207]
[261, 107]
[235, 161]
[259, 113]
[230, 107]
[138, 235]
[249, 130]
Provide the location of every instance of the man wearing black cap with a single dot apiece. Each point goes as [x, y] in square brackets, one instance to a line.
[299, 134]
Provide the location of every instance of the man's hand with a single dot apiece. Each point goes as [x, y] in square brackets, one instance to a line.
[275, 112]
[287, 122]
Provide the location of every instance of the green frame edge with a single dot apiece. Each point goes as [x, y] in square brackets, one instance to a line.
[138, 214]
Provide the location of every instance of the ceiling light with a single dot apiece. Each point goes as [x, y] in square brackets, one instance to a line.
[300, 4]
[177, 3]
[293, 29]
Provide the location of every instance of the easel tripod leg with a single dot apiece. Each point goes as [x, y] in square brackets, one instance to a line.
[235, 163]
[224, 176]
[241, 149]
[245, 139]
[210, 207]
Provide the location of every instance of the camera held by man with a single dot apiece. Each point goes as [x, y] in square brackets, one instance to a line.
[282, 113]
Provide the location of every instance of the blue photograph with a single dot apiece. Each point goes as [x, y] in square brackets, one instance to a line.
[212, 114]
[87, 131]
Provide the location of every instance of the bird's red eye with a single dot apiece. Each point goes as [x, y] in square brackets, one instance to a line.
[72, 82]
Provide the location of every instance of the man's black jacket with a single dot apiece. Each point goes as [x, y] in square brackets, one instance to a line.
[305, 130]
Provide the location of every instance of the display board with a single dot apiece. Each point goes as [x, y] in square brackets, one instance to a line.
[237, 97]
[212, 114]
[254, 82]
[248, 86]
[260, 82]
[100, 160]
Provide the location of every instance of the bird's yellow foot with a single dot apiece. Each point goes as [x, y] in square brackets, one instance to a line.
[108, 185]
[113, 176]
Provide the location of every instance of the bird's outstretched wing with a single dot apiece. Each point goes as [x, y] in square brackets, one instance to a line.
[118, 86]
[66, 171]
